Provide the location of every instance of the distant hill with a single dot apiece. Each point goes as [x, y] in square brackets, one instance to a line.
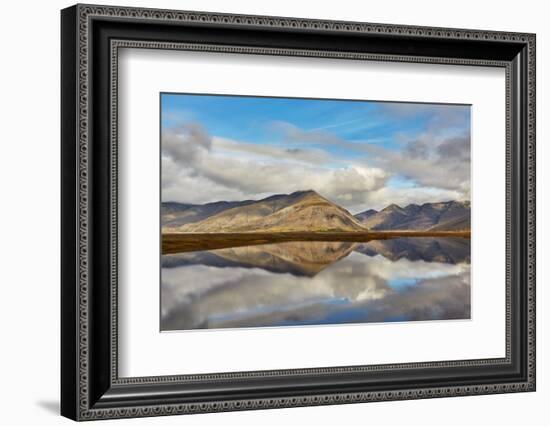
[366, 215]
[444, 216]
[299, 211]
[455, 224]
[177, 214]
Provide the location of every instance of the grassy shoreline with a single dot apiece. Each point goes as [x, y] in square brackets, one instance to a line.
[185, 242]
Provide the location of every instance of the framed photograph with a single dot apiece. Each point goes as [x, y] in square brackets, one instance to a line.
[263, 212]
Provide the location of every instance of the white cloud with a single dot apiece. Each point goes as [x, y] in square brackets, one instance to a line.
[405, 196]
[197, 168]
[271, 152]
[428, 160]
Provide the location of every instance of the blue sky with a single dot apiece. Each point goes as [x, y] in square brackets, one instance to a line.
[385, 149]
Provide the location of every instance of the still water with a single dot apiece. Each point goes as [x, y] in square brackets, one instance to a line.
[308, 283]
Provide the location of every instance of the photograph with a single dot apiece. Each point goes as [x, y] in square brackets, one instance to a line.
[264, 209]
[279, 211]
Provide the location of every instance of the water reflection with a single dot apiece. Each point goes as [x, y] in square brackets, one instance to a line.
[303, 283]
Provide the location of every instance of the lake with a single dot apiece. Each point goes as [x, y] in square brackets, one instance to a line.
[316, 283]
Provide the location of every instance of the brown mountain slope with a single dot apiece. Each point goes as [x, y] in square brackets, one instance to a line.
[178, 214]
[455, 224]
[299, 211]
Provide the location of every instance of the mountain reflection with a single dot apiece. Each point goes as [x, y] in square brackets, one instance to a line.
[297, 258]
[305, 283]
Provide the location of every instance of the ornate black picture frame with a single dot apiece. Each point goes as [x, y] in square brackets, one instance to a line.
[91, 37]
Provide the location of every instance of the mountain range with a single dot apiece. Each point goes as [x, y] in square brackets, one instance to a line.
[308, 211]
[444, 216]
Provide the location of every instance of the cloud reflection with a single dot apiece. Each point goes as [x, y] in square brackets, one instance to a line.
[353, 288]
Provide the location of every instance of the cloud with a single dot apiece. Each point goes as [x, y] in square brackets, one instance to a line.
[293, 134]
[438, 116]
[268, 152]
[430, 161]
[411, 195]
[197, 168]
[438, 155]
[434, 161]
[185, 144]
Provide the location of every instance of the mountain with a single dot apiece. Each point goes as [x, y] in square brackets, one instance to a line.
[453, 224]
[444, 216]
[178, 214]
[365, 215]
[299, 211]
